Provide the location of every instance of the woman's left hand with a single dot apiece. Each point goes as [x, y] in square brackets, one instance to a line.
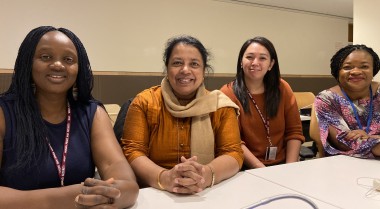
[356, 134]
[97, 193]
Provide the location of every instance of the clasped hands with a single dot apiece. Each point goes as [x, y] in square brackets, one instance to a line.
[359, 134]
[97, 193]
[187, 177]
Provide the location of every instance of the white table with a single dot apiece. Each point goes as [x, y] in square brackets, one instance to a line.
[237, 192]
[332, 180]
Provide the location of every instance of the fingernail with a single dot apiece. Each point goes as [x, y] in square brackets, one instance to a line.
[202, 180]
[176, 181]
[77, 198]
[175, 189]
[118, 195]
[110, 180]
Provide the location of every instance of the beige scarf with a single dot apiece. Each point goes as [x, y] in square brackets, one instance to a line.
[202, 135]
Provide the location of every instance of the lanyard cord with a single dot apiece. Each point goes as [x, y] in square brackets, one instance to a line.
[265, 122]
[62, 168]
[369, 119]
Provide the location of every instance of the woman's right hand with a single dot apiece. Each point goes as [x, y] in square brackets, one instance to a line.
[98, 193]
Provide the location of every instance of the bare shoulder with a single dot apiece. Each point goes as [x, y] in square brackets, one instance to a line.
[101, 123]
[100, 110]
[100, 114]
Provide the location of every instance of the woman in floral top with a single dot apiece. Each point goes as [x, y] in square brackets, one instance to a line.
[349, 113]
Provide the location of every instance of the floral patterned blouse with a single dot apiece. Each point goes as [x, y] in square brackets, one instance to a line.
[335, 111]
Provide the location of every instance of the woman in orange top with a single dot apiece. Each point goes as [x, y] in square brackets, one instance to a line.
[269, 120]
[178, 136]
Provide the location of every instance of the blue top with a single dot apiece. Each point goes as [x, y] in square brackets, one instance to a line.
[79, 163]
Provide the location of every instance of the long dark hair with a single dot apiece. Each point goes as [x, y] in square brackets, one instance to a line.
[271, 79]
[31, 132]
[339, 57]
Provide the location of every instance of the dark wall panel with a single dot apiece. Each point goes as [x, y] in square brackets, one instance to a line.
[118, 88]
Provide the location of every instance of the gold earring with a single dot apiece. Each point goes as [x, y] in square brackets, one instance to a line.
[75, 93]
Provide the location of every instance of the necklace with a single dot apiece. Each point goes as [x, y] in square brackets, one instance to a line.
[61, 168]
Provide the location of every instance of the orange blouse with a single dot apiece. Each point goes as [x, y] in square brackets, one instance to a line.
[150, 130]
[286, 125]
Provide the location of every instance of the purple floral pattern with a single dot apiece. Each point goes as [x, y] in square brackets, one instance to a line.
[335, 111]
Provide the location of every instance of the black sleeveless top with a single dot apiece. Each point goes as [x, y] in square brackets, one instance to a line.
[79, 163]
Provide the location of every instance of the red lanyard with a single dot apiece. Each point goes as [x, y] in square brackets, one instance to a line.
[62, 168]
[265, 122]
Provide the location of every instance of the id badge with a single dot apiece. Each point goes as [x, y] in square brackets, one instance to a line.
[271, 153]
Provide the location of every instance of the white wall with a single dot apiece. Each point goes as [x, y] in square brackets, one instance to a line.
[129, 35]
[366, 25]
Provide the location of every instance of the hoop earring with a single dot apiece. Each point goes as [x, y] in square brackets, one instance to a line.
[75, 93]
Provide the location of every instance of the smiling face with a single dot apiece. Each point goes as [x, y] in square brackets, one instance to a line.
[55, 64]
[256, 62]
[356, 73]
[185, 71]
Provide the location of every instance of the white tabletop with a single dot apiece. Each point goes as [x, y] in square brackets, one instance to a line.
[335, 180]
[238, 192]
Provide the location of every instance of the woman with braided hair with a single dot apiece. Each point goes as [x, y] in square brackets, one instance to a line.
[53, 132]
[349, 113]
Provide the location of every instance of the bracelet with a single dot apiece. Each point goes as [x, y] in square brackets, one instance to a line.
[212, 176]
[158, 179]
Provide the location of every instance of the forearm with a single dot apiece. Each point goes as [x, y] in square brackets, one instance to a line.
[146, 171]
[250, 160]
[292, 150]
[224, 167]
[125, 181]
[334, 142]
[58, 198]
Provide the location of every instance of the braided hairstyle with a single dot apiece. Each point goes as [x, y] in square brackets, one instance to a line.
[31, 132]
[337, 60]
[271, 79]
